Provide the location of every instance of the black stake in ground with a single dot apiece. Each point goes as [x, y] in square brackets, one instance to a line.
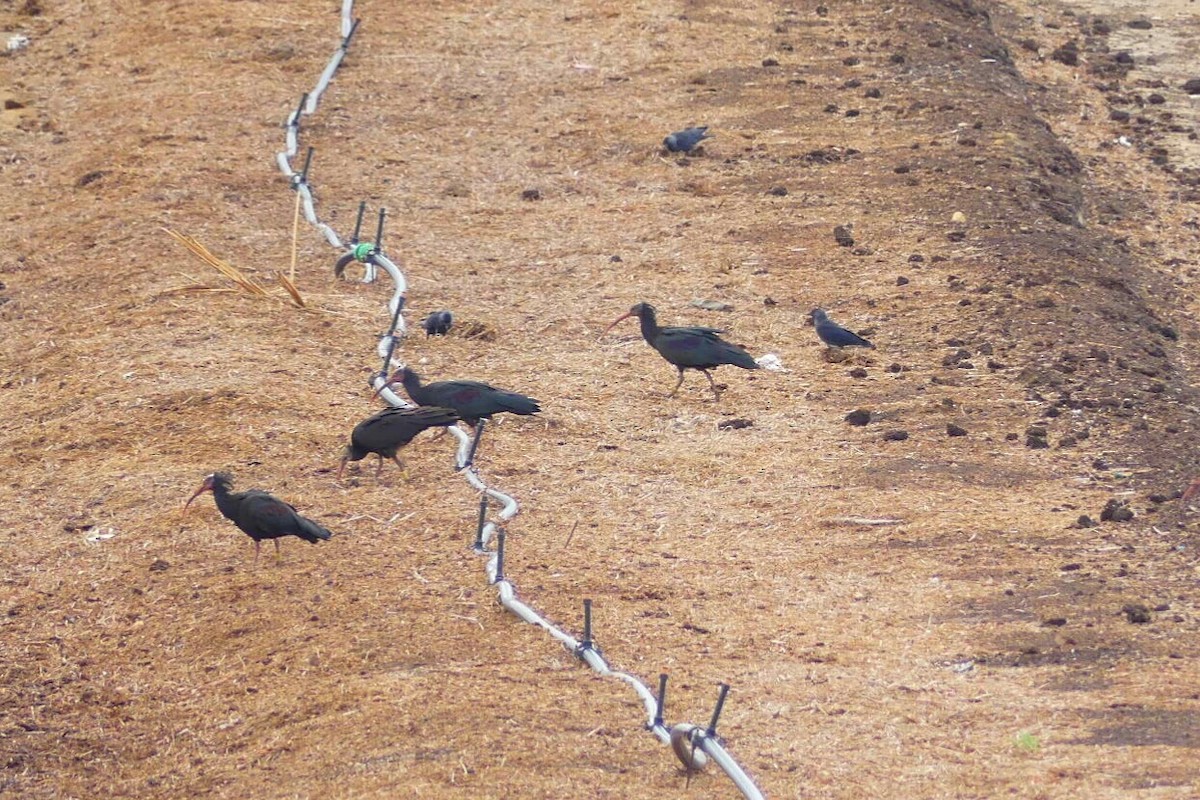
[712, 726]
[353, 28]
[362, 209]
[483, 505]
[391, 334]
[474, 445]
[379, 231]
[662, 701]
[303, 179]
[499, 555]
[299, 110]
[586, 644]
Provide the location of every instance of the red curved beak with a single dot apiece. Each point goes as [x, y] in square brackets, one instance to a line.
[204, 487]
[394, 377]
[621, 318]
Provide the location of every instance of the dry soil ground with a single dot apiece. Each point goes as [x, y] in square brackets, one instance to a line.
[1027, 274]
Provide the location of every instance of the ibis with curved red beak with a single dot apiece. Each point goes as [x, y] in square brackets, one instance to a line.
[688, 348]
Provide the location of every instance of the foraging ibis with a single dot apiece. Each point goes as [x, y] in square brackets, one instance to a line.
[258, 514]
[688, 348]
[472, 400]
[391, 429]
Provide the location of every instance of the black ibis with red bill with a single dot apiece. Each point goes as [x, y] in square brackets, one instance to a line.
[472, 400]
[258, 514]
[688, 348]
[391, 429]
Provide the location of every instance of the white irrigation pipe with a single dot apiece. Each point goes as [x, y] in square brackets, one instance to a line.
[693, 745]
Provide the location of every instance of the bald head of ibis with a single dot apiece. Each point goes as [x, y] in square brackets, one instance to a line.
[696, 348]
[258, 514]
[391, 429]
[835, 335]
[471, 400]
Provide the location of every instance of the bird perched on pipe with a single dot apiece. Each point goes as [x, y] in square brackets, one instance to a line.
[685, 140]
[438, 323]
[258, 514]
[472, 400]
[835, 335]
[688, 348]
[391, 429]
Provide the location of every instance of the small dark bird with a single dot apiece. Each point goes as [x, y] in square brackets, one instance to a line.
[391, 429]
[438, 323]
[688, 348]
[835, 335]
[472, 400]
[683, 141]
[258, 514]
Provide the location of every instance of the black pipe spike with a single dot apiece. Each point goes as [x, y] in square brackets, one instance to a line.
[661, 705]
[362, 208]
[586, 644]
[295, 123]
[474, 445]
[353, 28]
[723, 689]
[379, 230]
[499, 555]
[483, 507]
[307, 163]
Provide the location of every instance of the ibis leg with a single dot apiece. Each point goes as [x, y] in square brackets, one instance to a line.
[378, 468]
[400, 464]
[678, 383]
[257, 551]
[716, 393]
[278, 556]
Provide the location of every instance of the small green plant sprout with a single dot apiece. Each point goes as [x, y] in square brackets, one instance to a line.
[1026, 742]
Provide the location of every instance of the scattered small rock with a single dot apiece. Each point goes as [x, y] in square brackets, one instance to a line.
[859, 417]
[531, 194]
[1117, 115]
[1074, 566]
[894, 368]
[956, 236]
[858, 372]
[1192, 87]
[1116, 511]
[955, 430]
[842, 235]
[873, 93]
[712, 305]
[1035, 437]
[1136, 613]
[1067, 54]
[895, 436]
[734, 424]
[1054, 622]
[1140, 24]
[158, 565]
[916, 258]
[778, 191]
[901, 281]
[1085, 521]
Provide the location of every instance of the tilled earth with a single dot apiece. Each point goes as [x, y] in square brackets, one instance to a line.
[1024, 259]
